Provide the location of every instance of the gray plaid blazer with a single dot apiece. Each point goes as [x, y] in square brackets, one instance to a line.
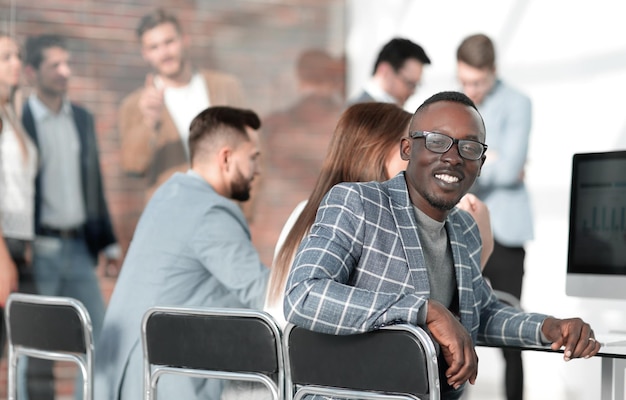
[362, 267]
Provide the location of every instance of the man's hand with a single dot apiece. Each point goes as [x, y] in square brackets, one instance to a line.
[111, 260]
[151, 103]
[112, 267]
[480, 212]
[456, 344]
[575, 334]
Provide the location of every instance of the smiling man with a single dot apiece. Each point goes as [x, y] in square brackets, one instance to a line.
[154, 119]
[73, 227]
[399, 251]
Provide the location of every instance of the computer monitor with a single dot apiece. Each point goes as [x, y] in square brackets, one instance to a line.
[596, 260]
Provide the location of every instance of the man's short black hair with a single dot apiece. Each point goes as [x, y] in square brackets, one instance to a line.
[453, 96]
[398, 50]
[221, 120]
[36, 45]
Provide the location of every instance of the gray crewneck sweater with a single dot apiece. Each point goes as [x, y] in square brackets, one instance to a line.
[438, 256]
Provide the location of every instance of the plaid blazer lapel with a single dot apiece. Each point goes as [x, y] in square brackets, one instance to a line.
[404, 216]
[463, 271]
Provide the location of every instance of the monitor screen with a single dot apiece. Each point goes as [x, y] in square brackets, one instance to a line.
[596, 261]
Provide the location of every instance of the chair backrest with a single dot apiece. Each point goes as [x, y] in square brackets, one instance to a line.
[220, 343]
[48, 327]
[395, 362]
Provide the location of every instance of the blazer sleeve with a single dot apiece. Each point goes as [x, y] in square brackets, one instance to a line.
[503, 325]
[139, 141]
[319, 295]
[224, 247]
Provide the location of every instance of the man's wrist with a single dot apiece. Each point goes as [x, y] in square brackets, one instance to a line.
[544, 339]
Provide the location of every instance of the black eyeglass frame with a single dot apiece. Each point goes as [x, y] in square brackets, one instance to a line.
[459, 143]
[409, 84]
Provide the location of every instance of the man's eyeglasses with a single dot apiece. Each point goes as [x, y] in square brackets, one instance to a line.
[411, 85]
[440, 143]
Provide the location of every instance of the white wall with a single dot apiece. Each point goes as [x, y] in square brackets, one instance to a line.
[570, 57]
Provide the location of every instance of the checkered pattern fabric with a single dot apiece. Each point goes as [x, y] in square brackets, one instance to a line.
[362, 267]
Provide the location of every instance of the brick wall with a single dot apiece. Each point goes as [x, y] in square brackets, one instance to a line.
[258, 41]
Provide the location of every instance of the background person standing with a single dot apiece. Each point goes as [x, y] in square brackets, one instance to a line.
[72, 222]
[154, 119]
[397, 73]
[18, 167]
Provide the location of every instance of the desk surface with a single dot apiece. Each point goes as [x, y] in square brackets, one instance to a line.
[613, 345]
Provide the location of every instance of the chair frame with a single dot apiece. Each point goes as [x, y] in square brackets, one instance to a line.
[427, 346]
[152, 372]
[83, 360]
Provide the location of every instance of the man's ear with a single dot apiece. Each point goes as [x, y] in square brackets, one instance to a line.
[224, 158]
[384, 69]
[482, 162]
[405, 148]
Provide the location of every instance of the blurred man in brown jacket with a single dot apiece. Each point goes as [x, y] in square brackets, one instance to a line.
[154, 119]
